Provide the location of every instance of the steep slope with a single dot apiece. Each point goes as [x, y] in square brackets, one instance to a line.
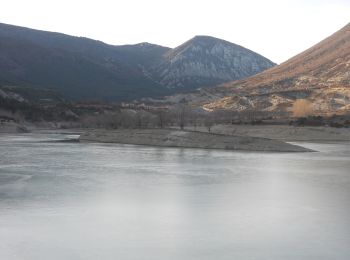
[321, 75]
[206, 61]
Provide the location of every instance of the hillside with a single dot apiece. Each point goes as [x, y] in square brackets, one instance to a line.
[320, 75]
[207, 61]
[81, 68]
[34, 105]
[77, 67]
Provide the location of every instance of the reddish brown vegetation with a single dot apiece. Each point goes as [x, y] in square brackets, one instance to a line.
[326, 63]
[302, 108]
[321, 74]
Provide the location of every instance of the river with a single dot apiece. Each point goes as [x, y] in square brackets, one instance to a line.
[72, 201]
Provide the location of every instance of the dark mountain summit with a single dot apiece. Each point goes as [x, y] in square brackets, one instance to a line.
[77, 67]
[81, 68]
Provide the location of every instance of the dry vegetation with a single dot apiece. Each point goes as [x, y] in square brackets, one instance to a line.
[302, 108]
[321, 74]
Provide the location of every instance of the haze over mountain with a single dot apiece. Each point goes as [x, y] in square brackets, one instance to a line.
[82, 68]
[320, 75]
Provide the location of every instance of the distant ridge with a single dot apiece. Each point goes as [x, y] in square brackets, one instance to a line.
[82, 68]
[77, 67]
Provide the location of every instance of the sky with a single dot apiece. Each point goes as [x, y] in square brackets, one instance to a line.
[277, 29]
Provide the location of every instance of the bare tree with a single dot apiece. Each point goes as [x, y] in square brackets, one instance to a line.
[163, 118]
[127, 118]
[193, 118]
[181, 113]
[139, 119]
[209, 122]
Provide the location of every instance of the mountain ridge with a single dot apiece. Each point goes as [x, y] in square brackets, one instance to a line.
[83, 68]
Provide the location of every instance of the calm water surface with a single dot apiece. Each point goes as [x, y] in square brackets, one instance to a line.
[76, 201]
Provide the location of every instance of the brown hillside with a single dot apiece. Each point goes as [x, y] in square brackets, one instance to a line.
[320, 74]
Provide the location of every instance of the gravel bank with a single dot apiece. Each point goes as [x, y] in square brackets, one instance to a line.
[285, 132]
[188, 139]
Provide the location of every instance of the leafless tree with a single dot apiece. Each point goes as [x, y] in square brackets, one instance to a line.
[181, 114]
[193, 118]
[163, 117]
[209, 121]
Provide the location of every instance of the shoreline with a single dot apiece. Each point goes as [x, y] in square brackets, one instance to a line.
[188, 139]
[287, 133]
[229, 137]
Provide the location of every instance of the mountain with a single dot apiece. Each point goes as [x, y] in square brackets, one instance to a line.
[82, 68]
[207, 61]
[77, 67]
[321, 75]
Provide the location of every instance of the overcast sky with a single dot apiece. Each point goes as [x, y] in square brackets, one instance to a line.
[277, 29]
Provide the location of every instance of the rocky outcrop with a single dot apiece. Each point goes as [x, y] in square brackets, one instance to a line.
[206, 61]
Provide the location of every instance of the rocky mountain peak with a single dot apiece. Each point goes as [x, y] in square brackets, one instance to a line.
[204, 39]
[205, 61]
[201, 44]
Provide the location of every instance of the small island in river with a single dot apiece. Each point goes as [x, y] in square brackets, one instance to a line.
[189, 139]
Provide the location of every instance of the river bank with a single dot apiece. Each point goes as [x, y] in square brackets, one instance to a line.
[236, 137]
[188, 139]
[285, 132]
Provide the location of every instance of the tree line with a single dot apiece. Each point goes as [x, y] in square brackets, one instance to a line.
[181, 117]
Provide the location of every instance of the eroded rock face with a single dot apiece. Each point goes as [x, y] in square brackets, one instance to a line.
[205, 61]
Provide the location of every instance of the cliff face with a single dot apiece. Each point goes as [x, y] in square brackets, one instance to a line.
[205, 61]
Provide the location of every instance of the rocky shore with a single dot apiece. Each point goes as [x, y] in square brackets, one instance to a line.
[188, 139]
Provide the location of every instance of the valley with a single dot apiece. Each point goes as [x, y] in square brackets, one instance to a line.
[174, 130]
[311, 89]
